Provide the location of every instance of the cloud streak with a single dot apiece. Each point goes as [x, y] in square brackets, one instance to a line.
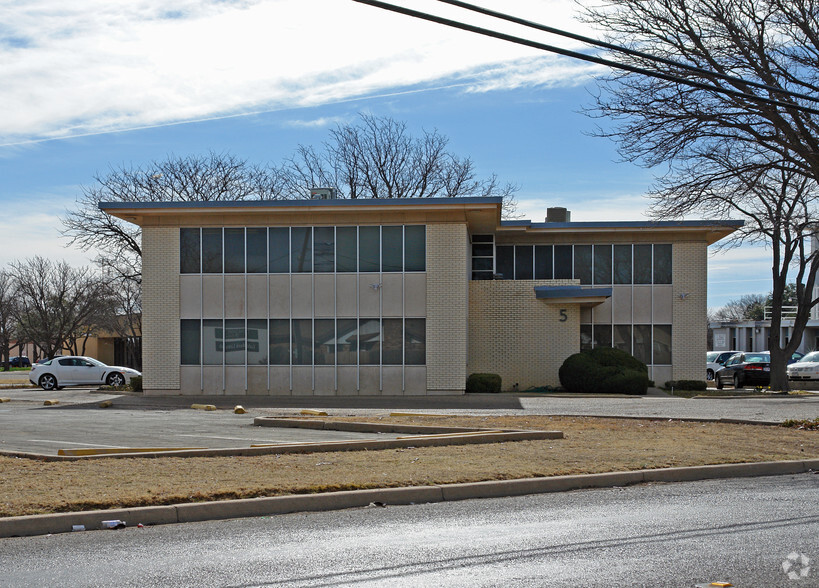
[92, 66]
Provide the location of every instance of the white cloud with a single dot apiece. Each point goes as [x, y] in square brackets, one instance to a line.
[92, 66]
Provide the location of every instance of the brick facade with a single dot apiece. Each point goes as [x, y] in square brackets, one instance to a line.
[515, 335]
[690, 305]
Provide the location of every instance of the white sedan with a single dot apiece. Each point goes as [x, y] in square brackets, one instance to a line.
[78, 371]
[806, 368]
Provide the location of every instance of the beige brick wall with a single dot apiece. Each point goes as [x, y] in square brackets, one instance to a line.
[689, 327]
[447, 289]
[160, 309]
[515, 335]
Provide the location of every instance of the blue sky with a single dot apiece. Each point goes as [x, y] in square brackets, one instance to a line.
[90, 85]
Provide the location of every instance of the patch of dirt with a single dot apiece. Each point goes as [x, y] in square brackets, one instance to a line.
[591, 445]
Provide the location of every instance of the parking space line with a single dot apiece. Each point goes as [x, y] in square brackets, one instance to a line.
[74, 443]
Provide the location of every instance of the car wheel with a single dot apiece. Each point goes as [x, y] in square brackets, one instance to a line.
[116, 379]
[719, 383]
[709, 374]
[737, 383]
[48, 382]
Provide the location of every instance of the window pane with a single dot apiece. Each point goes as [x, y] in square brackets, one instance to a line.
[324, 246]
[369, 337]
[563, 262]
[642, 343]
[212, 251]
[482, 238]
[415, 341]
[347, 341]
[189, 251]
[662, 264]
[191, 336]
[279, 344]
[415, 248]
[505, 261]
[482, 249]
[346, 249]
[602, 335]
[524, 262]
[662, 345]
[642, 264]
[582, 263]
[256, 250]
[235, 342]
[543, 262]
[482, 264]
[279, 246]
[622, 338]
[369, 250]
[585, 337]
[302, 342]
[392, 249]
[256, 341]
[234, 251]
[301, 249]
[393, 353]
[602, 264]
[325, 341]
[622, 264]
[212, 341]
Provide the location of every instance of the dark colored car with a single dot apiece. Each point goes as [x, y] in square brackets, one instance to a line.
[744, 368]
[19, 361]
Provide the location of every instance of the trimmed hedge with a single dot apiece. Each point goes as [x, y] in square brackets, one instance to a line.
[686, 384]
[136, 383]
[483, 383]
[604, 370]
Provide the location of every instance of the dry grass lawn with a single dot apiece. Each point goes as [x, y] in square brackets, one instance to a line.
[591, 445]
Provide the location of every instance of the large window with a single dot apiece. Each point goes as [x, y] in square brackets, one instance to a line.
[604, 264]
[651, 344]
[303, 342]
[277, 250]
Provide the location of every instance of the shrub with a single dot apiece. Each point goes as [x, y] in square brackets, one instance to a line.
[483, 383]
[604, 370]
[136, 383]
[686, 384]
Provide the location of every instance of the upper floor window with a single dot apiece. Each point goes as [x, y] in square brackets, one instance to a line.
[392, 248]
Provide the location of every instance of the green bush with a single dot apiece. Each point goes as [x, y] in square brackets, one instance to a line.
[604, 370]
[136, 383]
[483, 383]
[686, 385]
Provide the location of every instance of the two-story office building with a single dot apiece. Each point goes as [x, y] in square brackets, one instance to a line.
[400, 297]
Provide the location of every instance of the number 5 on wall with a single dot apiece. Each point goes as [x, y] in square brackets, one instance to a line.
[563, 316]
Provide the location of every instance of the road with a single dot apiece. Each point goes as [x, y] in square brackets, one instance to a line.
[685, 534]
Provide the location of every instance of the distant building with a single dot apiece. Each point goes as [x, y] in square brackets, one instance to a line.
[393, 297]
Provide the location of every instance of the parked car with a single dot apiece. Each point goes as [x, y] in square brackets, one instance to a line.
[807, 368]
[78, 371]
[19, 361]
[715, 360]
[745, 367]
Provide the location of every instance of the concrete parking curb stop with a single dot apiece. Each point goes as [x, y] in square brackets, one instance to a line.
[252, 507]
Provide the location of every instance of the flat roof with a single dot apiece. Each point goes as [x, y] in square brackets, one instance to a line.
[301, 203]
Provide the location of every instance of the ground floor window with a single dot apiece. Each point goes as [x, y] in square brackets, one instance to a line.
[651, 344]
[303, 342]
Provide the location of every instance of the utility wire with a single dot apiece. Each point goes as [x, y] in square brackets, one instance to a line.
[625, 50]
[584, 57]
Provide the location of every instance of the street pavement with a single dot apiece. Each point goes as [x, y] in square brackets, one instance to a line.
[749, 532]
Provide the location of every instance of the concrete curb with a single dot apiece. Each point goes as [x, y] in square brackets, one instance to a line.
[253, 507]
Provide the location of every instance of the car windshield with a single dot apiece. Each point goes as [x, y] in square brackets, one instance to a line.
[812, 356]
[712, 356]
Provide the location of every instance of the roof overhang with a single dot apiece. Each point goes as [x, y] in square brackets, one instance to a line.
[572, 295]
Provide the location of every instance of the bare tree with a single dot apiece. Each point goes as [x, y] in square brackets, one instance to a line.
[378, 158]
[125, 320]
[55, 301]
[215, 176]
[8, 322]
[725, 155]
[747, 307]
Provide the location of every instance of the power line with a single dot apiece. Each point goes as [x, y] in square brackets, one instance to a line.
[589, 58]
[625, 50]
